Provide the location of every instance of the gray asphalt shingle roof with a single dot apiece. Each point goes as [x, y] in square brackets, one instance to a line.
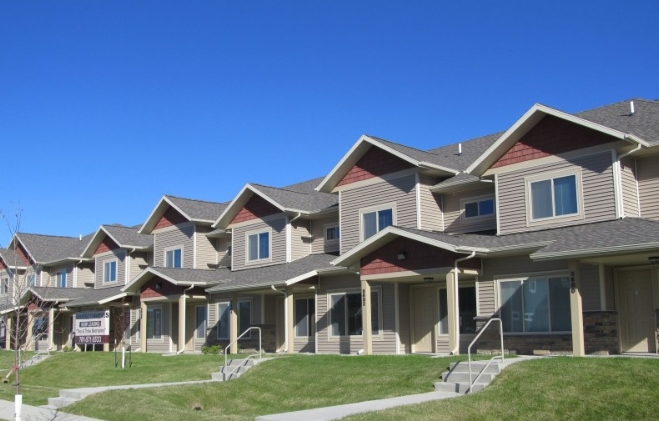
[60, 294]
[90, 296]
[129, 236]
[50, 248]
[644, 123]
[10, 258]
[199, 209]
[301, 196]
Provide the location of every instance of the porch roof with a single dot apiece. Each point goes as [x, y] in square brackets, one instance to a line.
[176, 276]
[97, 297]
[52, 294]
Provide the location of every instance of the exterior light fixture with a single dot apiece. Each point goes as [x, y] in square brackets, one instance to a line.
[654, 259]
[428, 279]
[402, 255]
[159, 286]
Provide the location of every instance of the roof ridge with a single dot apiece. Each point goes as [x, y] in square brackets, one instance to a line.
[197, 200]
[401, 144]
[280, 188]
[46, 235]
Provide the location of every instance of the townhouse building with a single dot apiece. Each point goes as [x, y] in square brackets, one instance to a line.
[550, 226]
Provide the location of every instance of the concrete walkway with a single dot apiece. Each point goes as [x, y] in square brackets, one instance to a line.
[35, 413]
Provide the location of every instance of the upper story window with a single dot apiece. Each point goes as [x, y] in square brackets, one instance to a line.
[61, 279]
[258, 246]
[32, 280]
[332, 233]
[375, 220]
[4, 288]
[478, 207]
[110, 271]
[173, 257]
[554, 197]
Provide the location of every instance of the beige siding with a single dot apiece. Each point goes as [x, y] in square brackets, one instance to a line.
[221, 298]
[277, 242]
[590, 287]
[172, 237]
[430, 206]
[51, 276]
[163, 344]
[400, 192]
[597, 184]
[648, 186]
[300, 239]
[205, 251]
[138, 262]
[318, 243]
[325, 344]
[629, 188]
[454, 220]
[120, 256]
[223, 256]
[404, 318]
[386, 342]
[85, 275]
[486, 297]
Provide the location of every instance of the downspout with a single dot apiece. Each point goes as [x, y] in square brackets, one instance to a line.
[457, 301]
[285, 316]
[181, 351]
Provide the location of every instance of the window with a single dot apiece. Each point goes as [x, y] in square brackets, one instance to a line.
[467, 309]
[244, 318]
[202, 322]
[4, 288]
[32, 280]
[305, 321]
[223, 313]
[553, 197]
[535, 305]
[346, 313]
[258, 246]
[40, 327]
[173, 258]
[479, 208]
[110, 271]
[332, 233]
[154, 323]
[375, 221]
[61, 279]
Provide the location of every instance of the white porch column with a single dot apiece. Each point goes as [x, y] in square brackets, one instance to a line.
[51, 328]
[289, 319]
[453, 316]
[576, 310]
[143, 316]
[8, 330]
[181, 323]
[367, 323]
[30, 342]
[233, 324]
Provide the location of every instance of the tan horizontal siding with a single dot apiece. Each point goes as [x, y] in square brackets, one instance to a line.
[205, 253]
[648, 186]
[120, 256]
[325, 345]
[277, 240]
[431, 212]
[454, 208]
[486, 297]
[300, 239]
[318, 244]
[178, 236]
[629, 187]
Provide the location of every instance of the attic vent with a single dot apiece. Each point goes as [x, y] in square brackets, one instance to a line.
[631, 107]
[459, 148]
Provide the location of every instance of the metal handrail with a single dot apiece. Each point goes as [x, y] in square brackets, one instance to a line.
[501, 357]
[246, 358]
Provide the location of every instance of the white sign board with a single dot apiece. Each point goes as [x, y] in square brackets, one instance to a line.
[92, 327]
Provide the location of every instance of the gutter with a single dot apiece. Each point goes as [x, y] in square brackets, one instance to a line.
[285, 316]
[456, 299]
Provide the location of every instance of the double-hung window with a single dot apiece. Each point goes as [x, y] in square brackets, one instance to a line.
[173, 257]
[346, 313]
[553, 197]
[258, 246]
[535, 305]
[305, 320]
[374, 221]
[154, 322]
[110, 271]
[61, 279]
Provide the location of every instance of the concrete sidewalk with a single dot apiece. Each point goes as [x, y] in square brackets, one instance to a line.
[35, 413]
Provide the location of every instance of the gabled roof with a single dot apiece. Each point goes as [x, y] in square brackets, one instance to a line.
[124, 237]
[176, 276]
[459, 182]
[197, 211]
[416, 157]
[297, 198]
[91, 296]
[58, 294]
[11, 259]
[50, 249]
[611, 120]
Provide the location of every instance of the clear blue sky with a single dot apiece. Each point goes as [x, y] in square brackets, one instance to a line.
[108, 105]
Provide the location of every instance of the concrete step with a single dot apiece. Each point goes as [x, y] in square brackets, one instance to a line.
[246, 363]
[454, 377]
[61, 402]
[476, 367]
[73, 394]
[458, 387]
[218, 377]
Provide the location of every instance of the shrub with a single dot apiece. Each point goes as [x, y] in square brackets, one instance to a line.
[210, 349]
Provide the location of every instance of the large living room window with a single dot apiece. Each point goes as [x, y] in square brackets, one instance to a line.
[553, 197]
[346, 313]
[535, 305]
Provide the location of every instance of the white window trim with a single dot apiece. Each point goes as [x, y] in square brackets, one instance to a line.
[463, 212]
[372, 209]
[253, 232]
[576, 172]
[57, 285]
[173, 248]
[116, 270]
[162, 323]
[306, 298]
[330, 336]
[217, 334]
[537, 275]
[326, 227]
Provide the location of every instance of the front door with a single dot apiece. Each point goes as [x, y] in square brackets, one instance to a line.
[424, 318]
[637, 322]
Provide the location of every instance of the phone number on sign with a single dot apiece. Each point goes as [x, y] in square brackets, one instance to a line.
[89, 339]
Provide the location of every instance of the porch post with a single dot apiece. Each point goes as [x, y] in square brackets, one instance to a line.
[453, 316]
[367, 330]
[8, 331]
[181, 323]
[51, 327]
[143, 315]
[576, 310]
[289, 319]
[30, 344]
[233, 324]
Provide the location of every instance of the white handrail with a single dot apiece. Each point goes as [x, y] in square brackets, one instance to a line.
[491, 359]
[260, 354]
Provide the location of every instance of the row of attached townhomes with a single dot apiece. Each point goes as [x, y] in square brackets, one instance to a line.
[551, 226]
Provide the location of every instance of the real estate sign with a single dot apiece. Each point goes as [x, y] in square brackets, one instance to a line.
[92, 327]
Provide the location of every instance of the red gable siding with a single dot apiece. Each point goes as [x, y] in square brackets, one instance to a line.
[2, 265]
[255, 208]
[375, 163]
[419, 256]
[22, 254]
[149, 290]
[551, 136]
[169, 218]
[106, 245]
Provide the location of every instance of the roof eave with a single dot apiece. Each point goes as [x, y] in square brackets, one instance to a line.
[595, 252]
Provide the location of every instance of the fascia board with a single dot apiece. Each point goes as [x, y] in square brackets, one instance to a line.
[221, 289]
[300, 278]
[114, 297]
[592, 252]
